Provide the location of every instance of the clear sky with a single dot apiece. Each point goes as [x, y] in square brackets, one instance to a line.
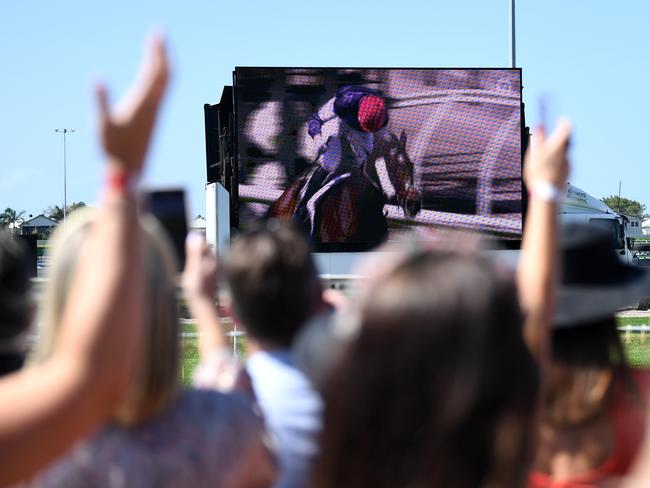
[590, 57]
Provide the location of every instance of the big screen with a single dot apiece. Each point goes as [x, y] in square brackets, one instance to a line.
[359, 156]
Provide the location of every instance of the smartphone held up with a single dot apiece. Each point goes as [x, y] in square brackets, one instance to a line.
[168, 206]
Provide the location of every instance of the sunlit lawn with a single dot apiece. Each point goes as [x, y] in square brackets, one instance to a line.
[191, 353]
[636, 344]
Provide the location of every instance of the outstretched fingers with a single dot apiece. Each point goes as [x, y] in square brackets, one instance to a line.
[101, 96]
[560, 137]
[158, 67]
[126, 130]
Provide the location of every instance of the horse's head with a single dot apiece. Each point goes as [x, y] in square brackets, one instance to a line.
[400, 171]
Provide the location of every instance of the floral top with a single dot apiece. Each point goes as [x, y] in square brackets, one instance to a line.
[205, 438]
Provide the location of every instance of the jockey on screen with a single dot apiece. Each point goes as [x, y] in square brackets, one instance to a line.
[344, 130]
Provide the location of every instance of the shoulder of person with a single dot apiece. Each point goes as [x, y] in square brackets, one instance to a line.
[213, 403]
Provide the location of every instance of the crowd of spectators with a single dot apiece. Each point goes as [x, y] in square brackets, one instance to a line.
[449, 369]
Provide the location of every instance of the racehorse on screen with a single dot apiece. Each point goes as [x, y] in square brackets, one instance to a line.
[349, 207]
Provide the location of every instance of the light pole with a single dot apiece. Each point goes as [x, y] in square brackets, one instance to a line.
[513, 39]
[65, 202]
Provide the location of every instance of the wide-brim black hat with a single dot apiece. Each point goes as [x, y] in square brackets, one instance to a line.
[594, 282]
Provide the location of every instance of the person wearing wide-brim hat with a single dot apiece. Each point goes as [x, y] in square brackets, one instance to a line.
[592, 415]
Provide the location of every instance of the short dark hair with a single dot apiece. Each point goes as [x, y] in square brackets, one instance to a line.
[438, 388]
[15, 303]
[273, 281]
[14, 287]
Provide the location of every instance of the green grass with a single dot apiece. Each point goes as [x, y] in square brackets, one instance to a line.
[190, 359]
[637, 349]
[191, 352]
[636, 345]
[633, 320]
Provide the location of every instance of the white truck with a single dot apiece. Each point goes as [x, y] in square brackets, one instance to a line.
[579, 206]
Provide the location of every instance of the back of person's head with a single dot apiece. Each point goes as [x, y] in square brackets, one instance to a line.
[273, 282]
[588, 358]
[438, 388]
[14, 303]
[156, 380]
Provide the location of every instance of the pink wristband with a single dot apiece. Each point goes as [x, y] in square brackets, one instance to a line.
[118, 180]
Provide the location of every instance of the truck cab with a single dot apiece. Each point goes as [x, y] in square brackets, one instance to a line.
[579, 206]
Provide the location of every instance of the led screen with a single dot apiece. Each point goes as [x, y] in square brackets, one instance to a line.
[358, 156]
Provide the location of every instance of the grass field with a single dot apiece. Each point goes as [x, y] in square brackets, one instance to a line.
[191, 353]
[190, 359]
[636, 345]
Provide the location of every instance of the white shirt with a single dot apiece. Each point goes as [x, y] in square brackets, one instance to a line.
[292, 410]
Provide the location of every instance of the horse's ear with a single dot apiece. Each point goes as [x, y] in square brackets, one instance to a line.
[402, 138]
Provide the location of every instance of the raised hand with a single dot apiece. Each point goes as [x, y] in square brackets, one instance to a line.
[200, 285]
[200, 274]
[546, 160]
[125, 132]
[546, 169]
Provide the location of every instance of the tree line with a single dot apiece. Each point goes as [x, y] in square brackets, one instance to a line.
[626, 206]
[11, 217]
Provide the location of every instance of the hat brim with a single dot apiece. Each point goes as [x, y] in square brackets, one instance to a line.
[577, 305]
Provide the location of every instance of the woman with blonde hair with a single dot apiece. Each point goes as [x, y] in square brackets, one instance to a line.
[162, 435]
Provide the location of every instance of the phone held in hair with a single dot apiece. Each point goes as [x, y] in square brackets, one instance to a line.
[168, 206]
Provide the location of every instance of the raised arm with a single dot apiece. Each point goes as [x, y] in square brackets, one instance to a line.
[200, 286]
[46, 408]
[546, 168]
[218, 368]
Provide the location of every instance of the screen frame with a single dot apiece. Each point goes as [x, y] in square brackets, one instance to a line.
[331, 247]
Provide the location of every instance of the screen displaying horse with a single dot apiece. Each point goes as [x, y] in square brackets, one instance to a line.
[357, 156]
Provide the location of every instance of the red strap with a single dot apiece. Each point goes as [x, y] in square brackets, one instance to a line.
[118, 180]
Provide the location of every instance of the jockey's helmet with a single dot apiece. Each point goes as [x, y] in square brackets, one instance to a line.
[372, 113]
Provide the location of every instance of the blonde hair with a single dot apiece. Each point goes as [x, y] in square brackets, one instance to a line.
[156, 381]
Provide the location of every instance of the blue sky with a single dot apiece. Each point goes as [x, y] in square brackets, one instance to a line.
[590, 57]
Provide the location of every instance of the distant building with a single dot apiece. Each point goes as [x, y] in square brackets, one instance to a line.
[634, 226]
[645, 227]
[39, 225]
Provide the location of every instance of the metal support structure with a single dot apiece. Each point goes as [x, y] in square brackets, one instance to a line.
[65, 179]
[513, 40]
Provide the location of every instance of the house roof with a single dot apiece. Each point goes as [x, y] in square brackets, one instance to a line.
[39, 221]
